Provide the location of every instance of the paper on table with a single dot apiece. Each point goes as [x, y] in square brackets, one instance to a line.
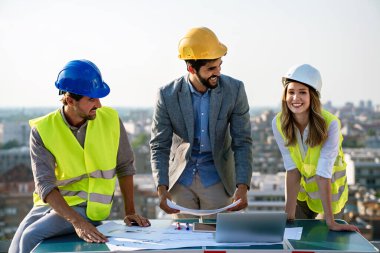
[124, 238]
[127, 244]
[119, 229]
[293, 233]
[200, 212]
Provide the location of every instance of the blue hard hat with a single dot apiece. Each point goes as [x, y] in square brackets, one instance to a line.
[82, 77]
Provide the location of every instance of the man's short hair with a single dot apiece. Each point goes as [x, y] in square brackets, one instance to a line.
[197, 64]
[76, 97]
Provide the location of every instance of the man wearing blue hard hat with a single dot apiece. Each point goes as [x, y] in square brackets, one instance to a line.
[77, 152]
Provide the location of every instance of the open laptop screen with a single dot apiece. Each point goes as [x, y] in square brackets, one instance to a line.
[266, 227]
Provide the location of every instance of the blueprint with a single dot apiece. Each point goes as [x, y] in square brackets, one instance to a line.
[163, 234]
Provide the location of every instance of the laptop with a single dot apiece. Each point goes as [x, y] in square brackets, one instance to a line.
[257, 227]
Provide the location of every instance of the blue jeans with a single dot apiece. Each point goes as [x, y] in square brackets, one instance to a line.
[40, 223]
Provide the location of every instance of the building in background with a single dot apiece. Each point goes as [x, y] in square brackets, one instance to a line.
[267, 192]
[366, 162]
[10, 158]
[17, 131]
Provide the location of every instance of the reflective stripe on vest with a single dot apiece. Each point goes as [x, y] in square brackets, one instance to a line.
[309, 191]
[95, 197]
[83, 173]
[336, 175]
[96, 174]
[334, 197]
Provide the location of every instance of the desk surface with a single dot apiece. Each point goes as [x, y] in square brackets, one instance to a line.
[316, 237]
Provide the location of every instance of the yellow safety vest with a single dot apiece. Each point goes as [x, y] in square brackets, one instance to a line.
[309, 191]
[83, 174]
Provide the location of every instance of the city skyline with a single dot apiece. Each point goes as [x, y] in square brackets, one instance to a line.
[134, 43]
[259, 108]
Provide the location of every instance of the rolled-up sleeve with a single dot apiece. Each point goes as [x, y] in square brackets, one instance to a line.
[329, 151]
[125, 158]
[43, 165]
[287, 159]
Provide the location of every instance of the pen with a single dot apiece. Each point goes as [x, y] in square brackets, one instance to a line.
[178, 226]
[187, 226]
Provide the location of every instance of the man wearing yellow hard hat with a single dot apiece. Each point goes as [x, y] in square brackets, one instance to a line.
[201, 145]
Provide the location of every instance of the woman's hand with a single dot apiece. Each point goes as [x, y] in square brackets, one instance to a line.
[343, 227]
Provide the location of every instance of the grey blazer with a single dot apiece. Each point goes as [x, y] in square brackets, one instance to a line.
[229, 125]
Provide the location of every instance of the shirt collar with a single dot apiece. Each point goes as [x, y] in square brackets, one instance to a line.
[305, 131]
[193, 90]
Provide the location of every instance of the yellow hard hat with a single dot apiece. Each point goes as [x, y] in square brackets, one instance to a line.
[200, 43]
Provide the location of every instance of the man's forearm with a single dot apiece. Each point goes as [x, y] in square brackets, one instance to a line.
[59, 205]
[162, 189]
[83, 228]
[127, 190]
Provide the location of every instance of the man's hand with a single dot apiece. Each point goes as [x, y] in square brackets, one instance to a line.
[136, 218]
[83, 228]
[163, 194]
[88, 232]
[240, 193]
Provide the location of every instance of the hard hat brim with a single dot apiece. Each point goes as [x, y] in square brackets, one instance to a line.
[100, 92]
[286, 81]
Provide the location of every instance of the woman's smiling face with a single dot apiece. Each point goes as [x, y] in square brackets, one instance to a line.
[298, 98]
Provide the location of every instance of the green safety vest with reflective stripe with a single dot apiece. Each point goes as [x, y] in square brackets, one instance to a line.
[85, 174]
[309, 191]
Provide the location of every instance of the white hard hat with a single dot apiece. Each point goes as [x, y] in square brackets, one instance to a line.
[305, 74]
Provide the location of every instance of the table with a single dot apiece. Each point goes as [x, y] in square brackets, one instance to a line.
[316, 237]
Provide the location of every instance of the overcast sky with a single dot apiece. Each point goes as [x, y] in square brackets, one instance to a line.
[134, 43]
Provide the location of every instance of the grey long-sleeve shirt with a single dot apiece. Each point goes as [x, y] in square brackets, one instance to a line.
[43, 162]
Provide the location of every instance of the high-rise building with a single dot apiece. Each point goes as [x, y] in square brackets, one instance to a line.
[10, 158]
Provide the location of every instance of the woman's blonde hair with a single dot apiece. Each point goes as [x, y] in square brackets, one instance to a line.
[317, 124]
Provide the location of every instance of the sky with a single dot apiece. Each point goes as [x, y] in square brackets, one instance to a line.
[134, 44]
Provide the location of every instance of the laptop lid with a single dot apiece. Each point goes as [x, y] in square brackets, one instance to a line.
[266, 227]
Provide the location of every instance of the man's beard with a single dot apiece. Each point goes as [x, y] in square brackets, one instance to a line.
[87, 116]
[206, 82]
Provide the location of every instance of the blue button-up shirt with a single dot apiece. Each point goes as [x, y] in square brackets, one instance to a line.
[201, 160]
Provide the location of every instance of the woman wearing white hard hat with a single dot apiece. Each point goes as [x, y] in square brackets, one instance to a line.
[310, 142]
